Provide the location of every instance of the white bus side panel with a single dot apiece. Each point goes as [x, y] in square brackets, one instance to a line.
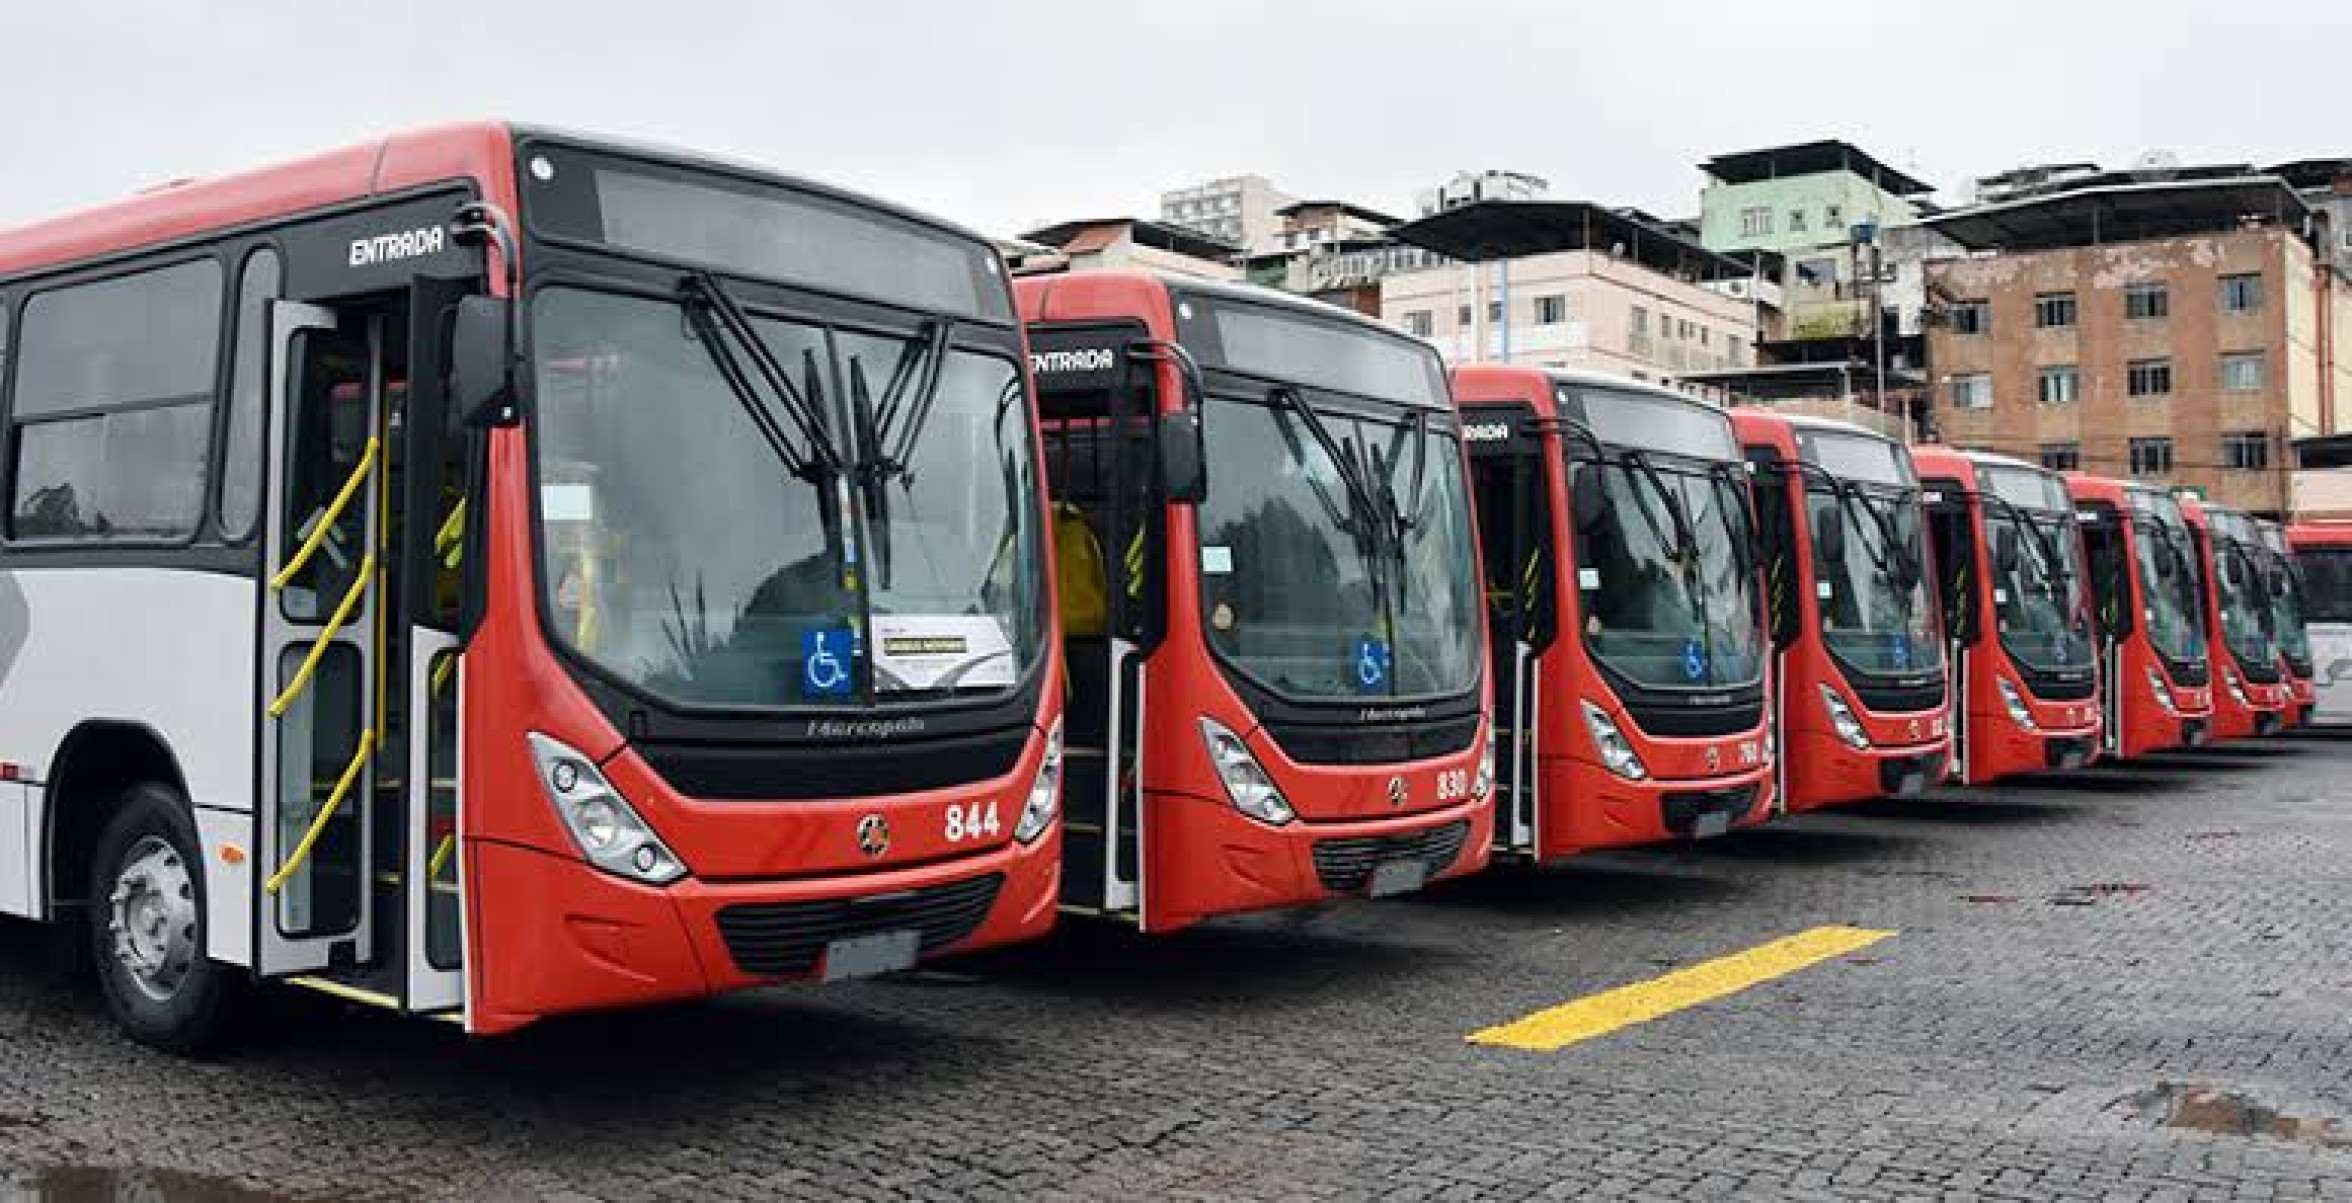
[2331, 664]
[19, 838]
[167, 649]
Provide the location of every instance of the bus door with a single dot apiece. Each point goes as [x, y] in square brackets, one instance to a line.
[1098, 404]
[321, 707]
[2109, 562]
[1510, 488]
[1951, 527]
[1774, 480]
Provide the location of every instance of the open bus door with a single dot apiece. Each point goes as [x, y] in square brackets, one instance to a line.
[2109, 561]
[359, 674]
[1951, 528]
[1510, 484]
[1097, 391]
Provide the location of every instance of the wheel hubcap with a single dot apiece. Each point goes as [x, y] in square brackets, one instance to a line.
[152, 915]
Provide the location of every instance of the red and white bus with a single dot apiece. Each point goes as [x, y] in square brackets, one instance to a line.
[2239, 624]
[2147, 591]
[1623, 590]
[2323, 559]
[1276, 652]
[1859, 683]
[2284, 580]
[492, 573]
[2008, 555]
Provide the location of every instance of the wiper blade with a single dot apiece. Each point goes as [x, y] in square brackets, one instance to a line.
[1685, 539]
[903, 416]
[872, 491]
[717, 316]
[1351, 472]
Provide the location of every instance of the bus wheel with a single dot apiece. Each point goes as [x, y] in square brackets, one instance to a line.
[147, 927]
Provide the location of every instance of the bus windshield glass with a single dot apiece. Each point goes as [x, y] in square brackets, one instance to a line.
[2039, 582]
[1876, 616]
[2171, 582]
[693, 555]
[2247, 624]
[1325, 572]
[1665, 560]
[2286, 595]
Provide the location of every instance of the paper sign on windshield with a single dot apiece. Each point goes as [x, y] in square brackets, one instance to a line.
[941, 651]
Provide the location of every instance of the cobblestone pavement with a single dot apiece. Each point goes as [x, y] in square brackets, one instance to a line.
[2132, 984]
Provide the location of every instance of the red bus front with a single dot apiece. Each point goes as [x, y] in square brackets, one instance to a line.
[2017, 610]
[1859, 653]
[2283, 578]
[763, 685]
[2253, 694]
[2147, 591]
[1271, 618]
[1623, 588]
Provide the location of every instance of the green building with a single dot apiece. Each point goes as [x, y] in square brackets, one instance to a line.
[1794, 198]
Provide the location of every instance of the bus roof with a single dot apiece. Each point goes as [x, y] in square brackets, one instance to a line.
[479, 150]
[2313, 536]
[1535, 382]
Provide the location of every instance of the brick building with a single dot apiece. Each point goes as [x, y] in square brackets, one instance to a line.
[2179, 329]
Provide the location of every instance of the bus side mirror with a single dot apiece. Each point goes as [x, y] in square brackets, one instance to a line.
[2005, 551]
[1183, 450]
[481, 376]
[1588, 498]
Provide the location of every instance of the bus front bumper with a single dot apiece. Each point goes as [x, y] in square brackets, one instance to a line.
[1208, 859]
[1587, 807]
[1826, 771]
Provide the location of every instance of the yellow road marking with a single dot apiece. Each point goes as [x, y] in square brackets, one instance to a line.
[1555, 1028]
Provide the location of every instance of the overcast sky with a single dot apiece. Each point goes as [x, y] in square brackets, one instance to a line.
[1002, 115]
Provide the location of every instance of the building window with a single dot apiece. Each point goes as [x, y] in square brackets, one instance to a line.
[1972, 391]
[1551, 311]
[2062, 457]
[1972, 317]
[1703, 336]
[2241, 294]
[2146, 301]
[2053, 310]
[1796, 221]
[112, 416]
[1682, 329]
[2241, 372]
[2148, 377]
[1462, 317]
[1420, 323]
[2151, 457]
[1640, 321]
[2060, 385]
[1756, 222]
[1831, 215]
[2245, 451]
[1494, 312]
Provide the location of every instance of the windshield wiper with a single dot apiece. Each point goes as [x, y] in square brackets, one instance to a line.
[716, 315]
[1351, 472]
[1685, 540]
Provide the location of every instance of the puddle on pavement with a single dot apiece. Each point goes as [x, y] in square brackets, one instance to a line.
[103, 1184]
[2230, 1113]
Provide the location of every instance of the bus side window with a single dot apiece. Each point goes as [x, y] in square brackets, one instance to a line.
[1955, 558]
[2110, 582]
[1777, 534]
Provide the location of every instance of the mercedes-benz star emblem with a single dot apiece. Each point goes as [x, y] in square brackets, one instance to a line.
[873, 835]
[1396, 791]
[1714, 759]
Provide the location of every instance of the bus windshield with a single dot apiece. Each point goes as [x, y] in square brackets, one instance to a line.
[2171, 581]
[694, 550]
[2246, 620]
[2039, 580]
[1864, 511]
[1666, 571]
[2285, 583]
[1333, 576]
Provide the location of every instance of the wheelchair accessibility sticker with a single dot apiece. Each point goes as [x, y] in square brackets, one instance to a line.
[1372, 664]
[826, 654]
[1694, 660]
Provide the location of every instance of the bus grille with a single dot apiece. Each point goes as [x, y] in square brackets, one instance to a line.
[781, 939]
[1372, 744]
[1345, 865]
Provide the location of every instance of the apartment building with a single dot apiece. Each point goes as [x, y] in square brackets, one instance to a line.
[1571, 284]
[1244, 210]
[1802, 196]
[2176, 326]
[1097, 244]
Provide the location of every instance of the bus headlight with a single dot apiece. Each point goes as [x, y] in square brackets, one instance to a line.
[1483, 783]
[1045, 793]
[2015, 703]
[608, 830]
[2163, 692]
[1616, 753]
[1841, 716]
[2237, 692]
[1246, 784]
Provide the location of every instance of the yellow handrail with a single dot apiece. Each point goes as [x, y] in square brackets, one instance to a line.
[318, 824]
[440, 857]
[327, 518]
[318, 646]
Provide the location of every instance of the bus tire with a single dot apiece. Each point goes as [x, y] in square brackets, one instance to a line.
[147, 928]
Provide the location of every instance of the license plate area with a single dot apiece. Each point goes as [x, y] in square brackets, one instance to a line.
[1911, 784]
[871, 955]
[1711, 824]
[1397, 877]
